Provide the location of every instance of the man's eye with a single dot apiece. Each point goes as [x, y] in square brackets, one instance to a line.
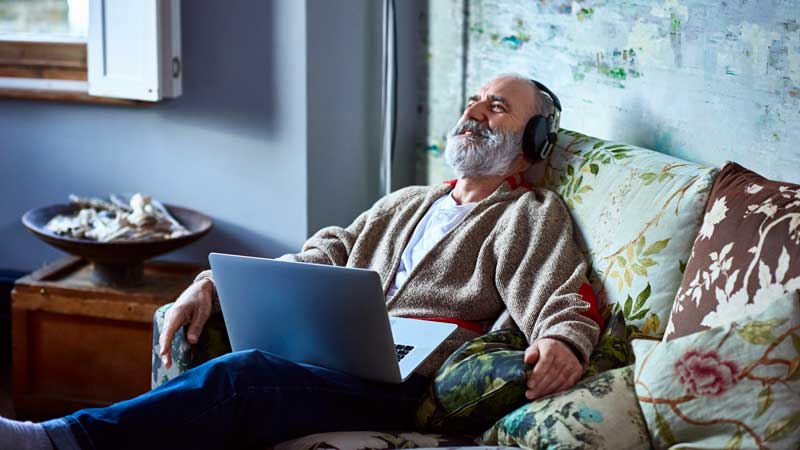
[497, 108]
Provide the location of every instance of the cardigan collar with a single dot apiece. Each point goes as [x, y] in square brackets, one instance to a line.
[510, 184]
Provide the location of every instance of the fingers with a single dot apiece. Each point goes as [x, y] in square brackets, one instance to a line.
[198, 321]
[552, 380]
[544, 377]
[193, 305]
[531, 354]
[165, 340]
[557, 369]
[574, 377]
[563, 380]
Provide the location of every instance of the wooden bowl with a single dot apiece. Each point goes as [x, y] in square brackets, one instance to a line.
[116, 263]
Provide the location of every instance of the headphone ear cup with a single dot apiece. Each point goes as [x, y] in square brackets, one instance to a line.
[552, 138]
[534, 138]
[529, 141]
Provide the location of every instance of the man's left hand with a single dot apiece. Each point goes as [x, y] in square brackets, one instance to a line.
[555, 369]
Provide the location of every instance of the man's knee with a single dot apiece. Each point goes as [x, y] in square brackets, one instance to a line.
[249, 366]
[246, 360]
[247, 370]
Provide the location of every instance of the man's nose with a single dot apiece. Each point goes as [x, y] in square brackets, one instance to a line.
[476, 111]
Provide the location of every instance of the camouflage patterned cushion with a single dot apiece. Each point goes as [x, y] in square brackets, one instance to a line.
[485, 379]
[614, 349]
[213, 342]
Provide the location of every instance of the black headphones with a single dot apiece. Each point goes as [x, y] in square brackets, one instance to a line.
[541, 132]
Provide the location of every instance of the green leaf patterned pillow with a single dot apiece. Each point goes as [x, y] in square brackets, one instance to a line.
[599, 412]
[636, 214]
[486, 378]
[734, 386]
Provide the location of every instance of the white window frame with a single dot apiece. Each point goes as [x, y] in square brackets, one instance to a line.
[137, 59]
[58, 39]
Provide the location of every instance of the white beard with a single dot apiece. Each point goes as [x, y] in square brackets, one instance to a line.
[484, 153]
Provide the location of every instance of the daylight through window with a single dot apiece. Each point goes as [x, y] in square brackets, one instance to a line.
[44, 20]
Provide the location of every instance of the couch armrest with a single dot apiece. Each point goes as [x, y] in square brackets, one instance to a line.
[213, 342]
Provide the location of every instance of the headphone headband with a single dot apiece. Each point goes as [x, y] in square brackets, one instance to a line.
[549, 93]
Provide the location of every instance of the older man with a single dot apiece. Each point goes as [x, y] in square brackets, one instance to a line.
[479, 251]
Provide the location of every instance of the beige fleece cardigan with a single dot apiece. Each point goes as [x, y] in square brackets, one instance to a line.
[512, 261]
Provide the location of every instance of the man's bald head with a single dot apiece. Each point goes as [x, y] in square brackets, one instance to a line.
[539, 102]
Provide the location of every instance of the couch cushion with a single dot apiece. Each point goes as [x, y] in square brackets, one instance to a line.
[486, 379]
[213, 342]
[746, 253]
[636, 213]
[600, 412]
[480, 382]
[369, 440]
[733, 386]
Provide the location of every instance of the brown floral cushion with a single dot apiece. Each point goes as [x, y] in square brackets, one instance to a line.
[746, 254]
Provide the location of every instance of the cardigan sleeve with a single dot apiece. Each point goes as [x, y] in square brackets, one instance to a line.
[330, 245]
[540, 271]
[334, 245]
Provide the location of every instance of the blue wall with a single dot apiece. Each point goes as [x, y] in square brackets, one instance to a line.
[234, 146]
[343, 104]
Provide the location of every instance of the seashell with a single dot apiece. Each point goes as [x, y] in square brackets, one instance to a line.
[141, 218]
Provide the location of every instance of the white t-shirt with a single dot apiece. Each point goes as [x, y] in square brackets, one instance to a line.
[440, 218]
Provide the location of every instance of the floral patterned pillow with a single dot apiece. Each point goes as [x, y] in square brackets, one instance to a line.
[636, 213]
[486, 378]
[746, 253]
[598, 413]
[733, 386]
[373, 440]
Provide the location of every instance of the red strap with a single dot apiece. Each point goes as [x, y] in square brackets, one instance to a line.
[593, 313]
[518, 180]
[585, 291]
[468, 324]
[514, 181]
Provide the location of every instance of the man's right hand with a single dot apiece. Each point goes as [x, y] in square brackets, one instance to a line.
[193, 306]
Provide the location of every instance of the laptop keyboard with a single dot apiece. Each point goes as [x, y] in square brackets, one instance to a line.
[402, 350]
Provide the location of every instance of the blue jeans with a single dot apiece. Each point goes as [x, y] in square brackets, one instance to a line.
[242, 400]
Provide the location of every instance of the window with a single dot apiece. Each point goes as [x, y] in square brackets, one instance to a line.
[44, 20]
[106, 51]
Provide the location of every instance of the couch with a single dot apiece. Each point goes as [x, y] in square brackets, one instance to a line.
[637, 214]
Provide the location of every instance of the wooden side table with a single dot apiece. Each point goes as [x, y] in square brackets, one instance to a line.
[78, 345]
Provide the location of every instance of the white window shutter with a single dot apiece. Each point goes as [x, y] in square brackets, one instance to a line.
[134, 49]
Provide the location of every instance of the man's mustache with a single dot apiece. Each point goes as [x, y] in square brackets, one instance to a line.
[474, 127]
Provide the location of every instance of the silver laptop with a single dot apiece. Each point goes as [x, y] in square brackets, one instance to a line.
[329, 316]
